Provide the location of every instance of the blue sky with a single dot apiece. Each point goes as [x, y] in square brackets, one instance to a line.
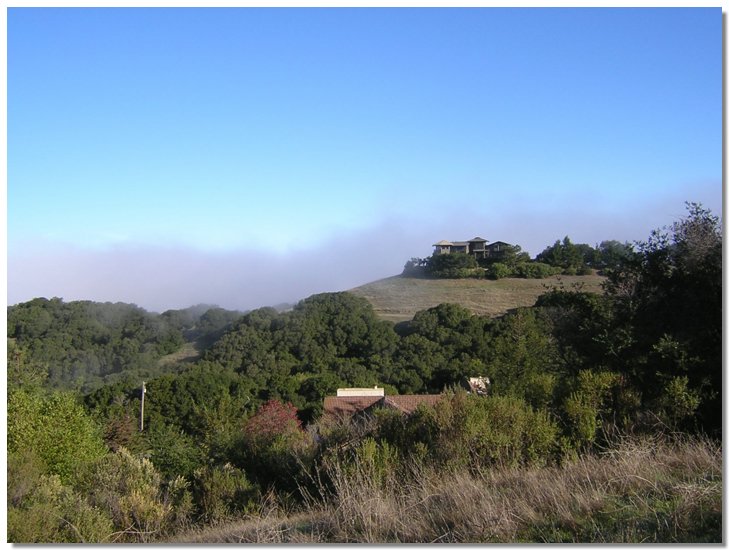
[247, 157]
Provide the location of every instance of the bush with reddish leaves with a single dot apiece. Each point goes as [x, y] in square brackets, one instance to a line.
[273, 420]
[274, 446]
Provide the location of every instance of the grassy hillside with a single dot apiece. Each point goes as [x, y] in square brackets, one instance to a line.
[399, 298]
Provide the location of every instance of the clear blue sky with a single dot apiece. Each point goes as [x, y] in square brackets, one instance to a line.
[216, 135]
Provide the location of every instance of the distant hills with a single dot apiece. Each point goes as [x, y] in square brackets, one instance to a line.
[399, 298]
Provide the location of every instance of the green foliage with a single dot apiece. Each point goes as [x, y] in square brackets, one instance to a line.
[448, 348]
[84, 345]
[179, 496]
[415, 267]
[55, 428]
[678, 403]
[469, 430]
[613, 255]
[458, 260]
[535, 270]
[572, 258]
[22, 371]
[377, 461]
[130, 489]
[222, 492]
[669, 300]
[587, 402]
[457, 265]
[584, 327]
[508, 255]
[221, 423]
[498, 430]
[53, 513]
[269, 449]
[176, 399]
[521, 351]
[499, 271]
[173, 452]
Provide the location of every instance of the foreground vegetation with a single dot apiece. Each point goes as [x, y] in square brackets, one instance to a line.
[640, 490]
[237, 433]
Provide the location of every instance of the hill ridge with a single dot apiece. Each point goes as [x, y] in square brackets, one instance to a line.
[399, 298]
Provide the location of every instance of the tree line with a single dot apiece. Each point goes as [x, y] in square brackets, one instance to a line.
[563, 257]
[85, 345]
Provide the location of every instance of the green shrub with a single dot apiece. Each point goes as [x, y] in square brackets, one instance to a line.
[274, 446]
[677, 403]
[56, 429]
[173, 452]
[475, 431]
[179, 497]
[499, 271]
[129, 488]
[378, 461]
[443, 262]
[222, 491]
[539, 389]
[504, 430]
[50, 512]
[535, 270]
[587, 402]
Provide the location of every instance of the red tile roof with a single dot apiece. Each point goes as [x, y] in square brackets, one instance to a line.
[408, 403]
[348, 406]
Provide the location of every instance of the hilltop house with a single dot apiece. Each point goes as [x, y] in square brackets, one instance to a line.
[476, 247]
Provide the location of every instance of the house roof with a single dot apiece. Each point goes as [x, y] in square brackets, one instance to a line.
[408, 403]
[349, 406]
[461, 243]
[498, 242]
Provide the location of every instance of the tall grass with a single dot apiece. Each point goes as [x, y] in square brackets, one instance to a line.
[640, 490]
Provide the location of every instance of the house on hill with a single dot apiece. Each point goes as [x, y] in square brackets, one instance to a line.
[476, 247]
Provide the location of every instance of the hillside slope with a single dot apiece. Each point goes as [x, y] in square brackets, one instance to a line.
[399, 298]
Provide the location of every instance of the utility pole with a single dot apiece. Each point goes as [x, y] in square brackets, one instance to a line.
[141, 408]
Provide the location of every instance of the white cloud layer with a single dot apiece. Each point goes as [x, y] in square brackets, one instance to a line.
[166, 277]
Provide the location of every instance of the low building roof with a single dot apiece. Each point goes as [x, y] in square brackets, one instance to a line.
[478, 240]
[408, 403]
[347, 406]
[350, 405]
[443, 243]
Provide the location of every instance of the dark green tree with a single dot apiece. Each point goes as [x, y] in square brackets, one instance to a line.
[669, 297]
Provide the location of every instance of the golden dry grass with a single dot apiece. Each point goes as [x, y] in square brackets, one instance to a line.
[647, 490]
[399, 298]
